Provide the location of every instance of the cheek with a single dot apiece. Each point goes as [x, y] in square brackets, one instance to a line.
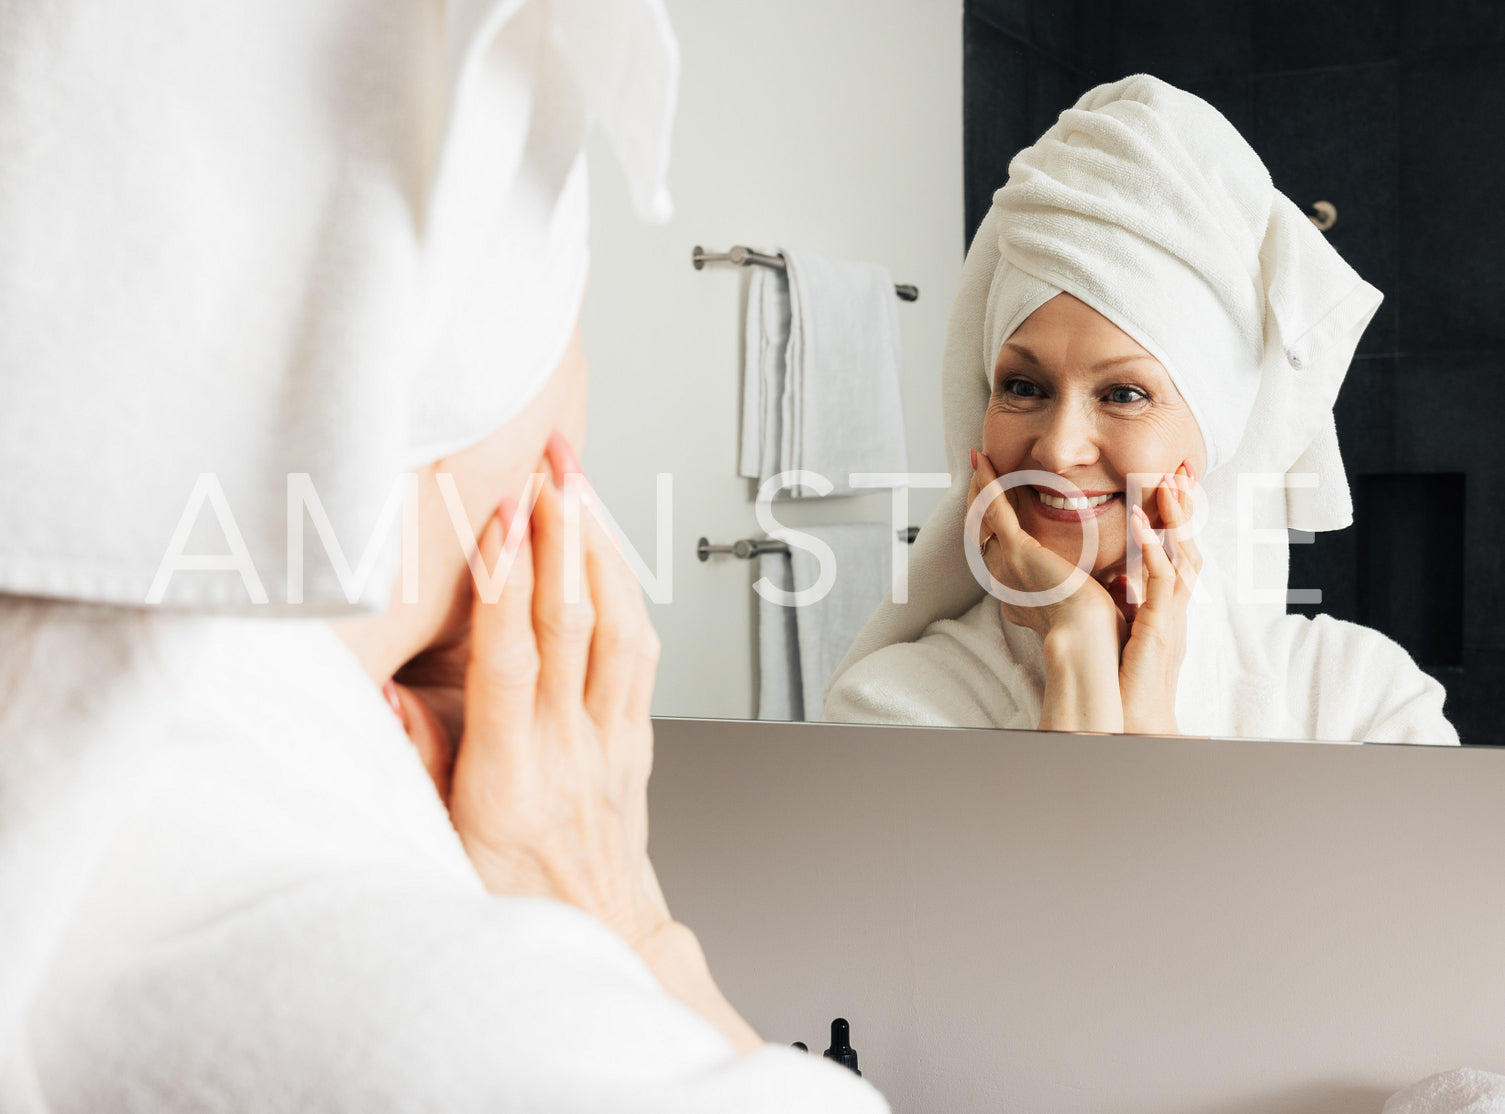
[1001, 436]
[502, 464]
[1152, 450]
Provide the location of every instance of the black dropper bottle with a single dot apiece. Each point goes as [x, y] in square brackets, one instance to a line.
[841, 1049]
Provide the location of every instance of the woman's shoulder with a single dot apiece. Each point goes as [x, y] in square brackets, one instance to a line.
[366, 990]
[960, 672]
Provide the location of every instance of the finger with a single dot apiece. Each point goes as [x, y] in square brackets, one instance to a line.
[1173, 497]
[984, 531]
[620, 619]
[999, 515]
[640, 696]
[564, 616]
[501, 678]
[1160, 573]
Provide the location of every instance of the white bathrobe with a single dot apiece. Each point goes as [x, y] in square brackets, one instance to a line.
[279, 917]
[250, 242]
[1292, 678]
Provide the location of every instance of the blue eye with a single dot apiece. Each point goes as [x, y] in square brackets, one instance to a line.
[1126, 396]
[1020, 388]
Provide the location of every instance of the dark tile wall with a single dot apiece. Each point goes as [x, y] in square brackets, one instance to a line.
[1390, 110]
[1024, 62]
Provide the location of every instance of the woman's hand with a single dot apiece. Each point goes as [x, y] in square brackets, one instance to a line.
[1080, 633]
[1151, 662]
[1017, 560]
[549, 786]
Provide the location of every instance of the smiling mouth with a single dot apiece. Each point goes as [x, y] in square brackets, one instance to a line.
[1073, 503]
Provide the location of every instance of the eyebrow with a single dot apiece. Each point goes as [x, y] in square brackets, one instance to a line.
[1104, 365]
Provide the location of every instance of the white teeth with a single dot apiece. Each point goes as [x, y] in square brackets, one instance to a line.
[1063, 503]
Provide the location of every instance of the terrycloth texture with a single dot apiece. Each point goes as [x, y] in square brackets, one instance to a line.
[251, 240]
[1193, 208]
[277, 916]
[1460, 1091]
[1324, 680]
[766, 344]
[800, 646]
[832, 404]
[781, 686]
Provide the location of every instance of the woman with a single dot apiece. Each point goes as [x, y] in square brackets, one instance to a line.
[1147, 327]
[344, 262]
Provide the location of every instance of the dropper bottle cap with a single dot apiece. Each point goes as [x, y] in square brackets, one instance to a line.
[841, 1049]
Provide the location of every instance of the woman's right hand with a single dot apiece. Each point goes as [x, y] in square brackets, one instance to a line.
[1082, 633]
[549, 784]
[1017, 560]
[549, 789]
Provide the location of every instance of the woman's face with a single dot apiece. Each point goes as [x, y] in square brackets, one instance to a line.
[1075, 395]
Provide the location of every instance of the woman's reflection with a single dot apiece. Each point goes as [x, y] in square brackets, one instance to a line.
[1145, 328]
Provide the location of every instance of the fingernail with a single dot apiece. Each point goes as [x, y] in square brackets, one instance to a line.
[389, 690]
[506, 511]
[974, 458]
[584, 493]
[562, 459]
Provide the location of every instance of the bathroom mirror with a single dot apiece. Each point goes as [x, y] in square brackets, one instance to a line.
[878, 132]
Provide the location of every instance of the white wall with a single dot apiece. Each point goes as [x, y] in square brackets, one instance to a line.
[829, 125]
[1017, 923]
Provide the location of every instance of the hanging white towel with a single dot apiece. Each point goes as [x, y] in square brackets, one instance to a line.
[824, 354]
[799, 647]
[767, 347]
[780, 689]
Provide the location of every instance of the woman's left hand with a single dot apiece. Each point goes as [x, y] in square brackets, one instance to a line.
[1150, 664]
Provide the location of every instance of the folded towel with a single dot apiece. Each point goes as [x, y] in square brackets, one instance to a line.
[767, 346]
[799, 647]
[1460, 1091]
[825, 359]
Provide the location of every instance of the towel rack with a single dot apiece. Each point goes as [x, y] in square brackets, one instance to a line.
[748, 548]
[743, 256]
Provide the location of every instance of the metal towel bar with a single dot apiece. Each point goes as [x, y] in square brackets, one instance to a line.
[745, 256]
[748, 548]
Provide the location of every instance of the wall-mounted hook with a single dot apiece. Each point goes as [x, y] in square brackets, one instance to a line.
[1326, 215]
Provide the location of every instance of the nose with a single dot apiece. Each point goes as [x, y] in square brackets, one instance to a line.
[1066, 439]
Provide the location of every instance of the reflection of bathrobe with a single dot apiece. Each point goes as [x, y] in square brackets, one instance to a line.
[286, 921]
[1282, 678]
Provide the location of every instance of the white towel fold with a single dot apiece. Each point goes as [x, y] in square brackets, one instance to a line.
[780, 688]
[822, 381]
[767, 346]
[799, 647]
[1460, 1091]
[241, 242]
